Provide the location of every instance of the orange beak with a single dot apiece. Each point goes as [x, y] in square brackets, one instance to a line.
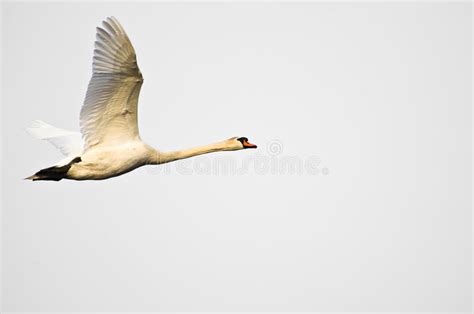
[249, 145]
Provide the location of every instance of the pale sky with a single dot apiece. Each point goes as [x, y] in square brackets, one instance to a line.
[373, 99]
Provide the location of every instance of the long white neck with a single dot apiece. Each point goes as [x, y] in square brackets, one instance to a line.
[164, 157]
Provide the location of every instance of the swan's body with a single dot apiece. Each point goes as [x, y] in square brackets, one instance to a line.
[110, 144]
[107, 162]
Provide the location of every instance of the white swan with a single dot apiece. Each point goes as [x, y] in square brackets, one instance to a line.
[110, 143]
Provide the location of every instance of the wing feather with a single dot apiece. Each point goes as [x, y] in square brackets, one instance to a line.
[110, 110]
[69, 143]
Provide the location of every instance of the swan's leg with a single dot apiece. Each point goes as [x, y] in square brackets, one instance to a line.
[54, 173]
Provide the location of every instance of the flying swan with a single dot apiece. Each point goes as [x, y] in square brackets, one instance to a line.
[110, 144]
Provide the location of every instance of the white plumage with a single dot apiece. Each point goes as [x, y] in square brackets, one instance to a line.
[69, 143]
[110, 144]
[109, 113]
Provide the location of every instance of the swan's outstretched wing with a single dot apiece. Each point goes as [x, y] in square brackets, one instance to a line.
[68, 142]
[109, 112]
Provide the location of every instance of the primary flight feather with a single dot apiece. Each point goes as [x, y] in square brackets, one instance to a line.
[110, 143]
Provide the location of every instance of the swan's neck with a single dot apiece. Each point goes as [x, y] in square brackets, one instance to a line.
[164, 157]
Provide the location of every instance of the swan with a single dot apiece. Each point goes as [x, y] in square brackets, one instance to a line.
[109, 144]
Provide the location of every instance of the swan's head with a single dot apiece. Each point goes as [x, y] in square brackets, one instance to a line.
[245, 143]
[236, 143]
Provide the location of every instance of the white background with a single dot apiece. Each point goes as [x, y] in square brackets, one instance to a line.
[381, 93]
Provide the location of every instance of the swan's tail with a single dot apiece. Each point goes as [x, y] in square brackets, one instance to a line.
[54, 173]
